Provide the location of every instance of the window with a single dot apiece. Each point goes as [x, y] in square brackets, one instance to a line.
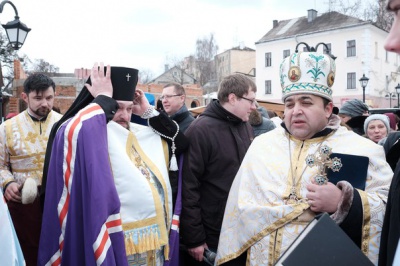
[351, 81]
[286, 53]
[268, 87]
[268, 59]
[351, 48]
[329, 47]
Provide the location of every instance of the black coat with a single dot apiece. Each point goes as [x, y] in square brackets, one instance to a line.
[218, 143]
[391, 224]
[184, 119]
[392, 149]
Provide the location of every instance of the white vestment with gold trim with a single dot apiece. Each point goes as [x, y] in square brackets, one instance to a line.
[23, 143]
[258, 221]
[139, 162]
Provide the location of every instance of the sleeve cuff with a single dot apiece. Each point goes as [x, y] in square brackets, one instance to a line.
[149, 113]
[108, 104]
[345, 202]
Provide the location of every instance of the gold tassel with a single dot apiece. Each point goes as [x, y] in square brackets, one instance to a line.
[131, 244]
[140, 243]
[147, 238]
[134, 246]
[152, 246]
[166, 252]
[128, 251]
[157, 240]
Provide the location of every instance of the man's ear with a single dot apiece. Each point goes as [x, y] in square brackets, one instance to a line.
[232, 98]
[24, 97]
[329, 109]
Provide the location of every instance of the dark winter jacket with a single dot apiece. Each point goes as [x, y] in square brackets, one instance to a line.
[392, 148]
[183, 117]
[218, 143]
[391, 230]
[259, 123]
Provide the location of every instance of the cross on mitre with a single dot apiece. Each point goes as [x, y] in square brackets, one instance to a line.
[127, 77]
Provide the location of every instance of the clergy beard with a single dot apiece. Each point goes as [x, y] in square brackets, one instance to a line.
[123, 123]
[42, 111]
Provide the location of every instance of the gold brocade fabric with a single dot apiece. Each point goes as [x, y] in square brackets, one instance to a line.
[258, 221]
[22, 147]
[139, 160]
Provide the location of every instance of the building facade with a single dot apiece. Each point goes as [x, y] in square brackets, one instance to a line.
[357, 44]
[239, 59]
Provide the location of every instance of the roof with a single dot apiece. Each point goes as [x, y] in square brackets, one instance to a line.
[242, 48]
[175, 68]
[300, 26]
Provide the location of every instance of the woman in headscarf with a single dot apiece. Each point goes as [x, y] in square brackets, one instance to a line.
[377, 128]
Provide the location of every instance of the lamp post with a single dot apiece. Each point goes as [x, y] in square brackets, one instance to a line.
[16, 30]
[16, 34]
[397, 88]
[364, 82]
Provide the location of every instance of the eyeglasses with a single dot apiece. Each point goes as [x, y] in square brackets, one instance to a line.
[253, 101]
[169, 96]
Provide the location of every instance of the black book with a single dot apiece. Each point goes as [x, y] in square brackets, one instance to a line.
[323, 242]
[354, 170]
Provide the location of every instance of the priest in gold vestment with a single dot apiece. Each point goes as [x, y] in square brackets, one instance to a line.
[277, 191]
[23, 141]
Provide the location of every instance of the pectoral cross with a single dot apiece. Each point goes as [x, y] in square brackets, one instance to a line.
[322, 161]
[127, 77]
[292, 198]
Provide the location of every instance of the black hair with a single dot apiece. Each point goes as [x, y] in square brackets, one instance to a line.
[38, 82]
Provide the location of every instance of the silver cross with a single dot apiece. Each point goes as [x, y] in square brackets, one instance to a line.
[127, 77]
[322, 162]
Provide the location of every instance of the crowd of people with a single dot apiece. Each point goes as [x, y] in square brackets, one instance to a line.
[234, 186]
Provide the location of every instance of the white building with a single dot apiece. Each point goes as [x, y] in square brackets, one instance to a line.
[357, 44]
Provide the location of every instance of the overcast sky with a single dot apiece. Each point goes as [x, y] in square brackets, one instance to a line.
[143, 34]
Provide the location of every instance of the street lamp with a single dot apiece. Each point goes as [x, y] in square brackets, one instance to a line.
[391, 96]
[16, 34]
[16, 30]
[364, 83]
[397, 88]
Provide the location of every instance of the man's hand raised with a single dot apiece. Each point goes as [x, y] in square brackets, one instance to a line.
[101, 82]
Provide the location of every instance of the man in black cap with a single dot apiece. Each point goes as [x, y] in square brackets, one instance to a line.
[108, 197]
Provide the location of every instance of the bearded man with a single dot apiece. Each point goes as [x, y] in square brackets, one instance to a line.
[23, 141]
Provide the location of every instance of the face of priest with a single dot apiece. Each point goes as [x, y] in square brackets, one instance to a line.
[39, 103]
[123, 114]
[393, 39]
[306, 115]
